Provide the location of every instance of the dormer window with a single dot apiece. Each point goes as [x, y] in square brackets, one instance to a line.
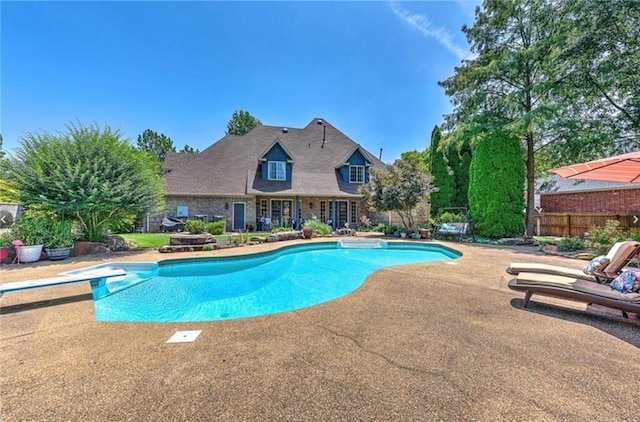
[356, 174]
[277, 170]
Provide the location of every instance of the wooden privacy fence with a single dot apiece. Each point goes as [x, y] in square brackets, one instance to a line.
[576, 225]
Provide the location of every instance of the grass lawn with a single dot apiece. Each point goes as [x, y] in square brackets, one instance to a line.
[155, 240]
[147, 240]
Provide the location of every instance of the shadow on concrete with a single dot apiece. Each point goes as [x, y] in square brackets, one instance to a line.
[615, 324]
[21, 307]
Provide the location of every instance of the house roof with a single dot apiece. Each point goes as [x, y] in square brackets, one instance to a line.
[173, 160]
[557, 184]
[230, 166]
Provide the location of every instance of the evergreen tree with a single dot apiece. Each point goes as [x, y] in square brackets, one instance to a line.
[496, 185]
[241, 122]
[442, 178]
[155, 144]
[462, 175]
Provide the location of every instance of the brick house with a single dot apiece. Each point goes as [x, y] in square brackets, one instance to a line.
[271, 176]
[591, 196]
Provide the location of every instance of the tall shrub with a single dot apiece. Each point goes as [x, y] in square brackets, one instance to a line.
[496, 186]
[442, 178]
[88, 174]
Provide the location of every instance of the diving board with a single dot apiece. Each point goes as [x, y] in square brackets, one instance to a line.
[61, 279]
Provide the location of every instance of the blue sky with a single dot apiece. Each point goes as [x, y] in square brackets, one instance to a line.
[182, 68]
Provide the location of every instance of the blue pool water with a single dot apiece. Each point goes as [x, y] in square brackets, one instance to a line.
[238, 287]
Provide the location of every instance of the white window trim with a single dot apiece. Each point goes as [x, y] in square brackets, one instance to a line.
[351, 168]
[271, 176]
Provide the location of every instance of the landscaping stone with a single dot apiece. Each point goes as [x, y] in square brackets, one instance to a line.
[191, 239]
[290, 235]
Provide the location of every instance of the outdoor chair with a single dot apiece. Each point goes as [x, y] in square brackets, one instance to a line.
[606, 284]
[601, 269]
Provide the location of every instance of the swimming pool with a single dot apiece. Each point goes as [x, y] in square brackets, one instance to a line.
[293, 277]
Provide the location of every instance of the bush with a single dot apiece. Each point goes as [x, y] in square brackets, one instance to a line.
[194, 226]
[30, 229]
[385, 228]
[451, 217]
[216, 227]
[318, 227]
[571, 244]
[604, 237]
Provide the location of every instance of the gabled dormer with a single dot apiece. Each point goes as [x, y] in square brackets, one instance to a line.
[355, 167]
[276, 163]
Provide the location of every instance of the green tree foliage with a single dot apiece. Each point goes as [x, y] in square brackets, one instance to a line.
[421, 157]
[496, 184]
[561, 76]
[189, 150]
[87, 174]
[506, 88]
[443, 179]
[400, 188]
[155, 144]
[462, 175]
[241, 122]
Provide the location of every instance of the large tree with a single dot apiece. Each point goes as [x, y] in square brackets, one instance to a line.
[400, 188]
[155, 144]
[189, 150]
[241, 122]
[88, 174]
[443, 178]
[561, 76]
[505, 88]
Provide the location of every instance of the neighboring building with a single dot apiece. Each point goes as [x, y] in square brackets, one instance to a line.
[589, 196]
[272, 176]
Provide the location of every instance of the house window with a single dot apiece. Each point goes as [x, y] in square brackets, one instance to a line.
[356, 174]
[353, 214]
[323, 211]
[263, 208]
[277, 170]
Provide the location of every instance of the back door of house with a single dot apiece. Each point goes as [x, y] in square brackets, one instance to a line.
[238, 216]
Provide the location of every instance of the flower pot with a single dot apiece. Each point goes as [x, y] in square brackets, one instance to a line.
[4, 253]
[307, 233]
[58, 254]
[424, 233]
[29, 253]
[403, 235]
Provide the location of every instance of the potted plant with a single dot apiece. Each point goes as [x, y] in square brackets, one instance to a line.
[403, 232]
[59, 240]
[5, 245]
[30, 231]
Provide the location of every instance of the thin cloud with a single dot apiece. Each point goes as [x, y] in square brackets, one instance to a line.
[422, 24]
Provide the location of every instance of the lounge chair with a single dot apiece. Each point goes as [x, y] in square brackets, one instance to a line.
[575, 289]
[568, 283]
[618, 257]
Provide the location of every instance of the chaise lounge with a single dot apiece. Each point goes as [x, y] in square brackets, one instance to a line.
[609, 268]
[602, 286]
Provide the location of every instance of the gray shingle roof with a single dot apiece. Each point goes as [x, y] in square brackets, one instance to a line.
[230, 166]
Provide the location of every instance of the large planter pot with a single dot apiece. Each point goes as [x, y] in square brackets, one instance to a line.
[58, 254]
[29, 253]
[4, 253]
[307, 233]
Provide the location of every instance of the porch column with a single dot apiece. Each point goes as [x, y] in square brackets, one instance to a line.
[298, 212]
[334, 211]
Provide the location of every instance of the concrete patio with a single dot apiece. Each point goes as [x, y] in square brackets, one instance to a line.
[427, 342]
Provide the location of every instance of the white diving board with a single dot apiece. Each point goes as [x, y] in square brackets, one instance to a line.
[61, 279]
